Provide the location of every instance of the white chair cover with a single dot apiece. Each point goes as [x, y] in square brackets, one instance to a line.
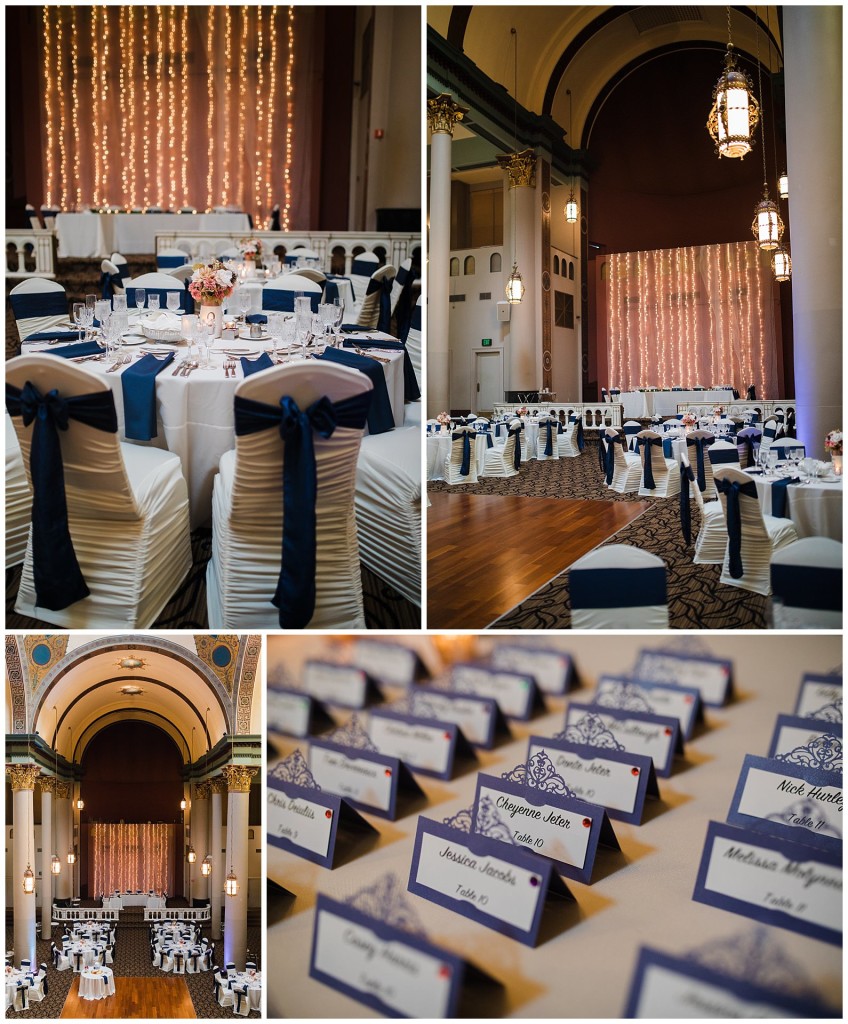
[413, 341]
[369, 309]
[247, 514]
[38, 305]
[362, 267]
[618, 587]
[784, 445]
[666, 471]
[707, 440]
[18, 499]
[542, 440]
[806, 581]
[711, 542]
[566, 442]
[241, 999]
[723, 453]
[627, 466]
[631, 429]
[453, 462]
[155, 279]
[116, 279]
[310, 274]
[128, 512]
[500, 460]
[281, 293]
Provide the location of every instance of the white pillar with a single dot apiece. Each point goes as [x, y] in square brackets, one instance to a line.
[64, 838]
[200, 838]
[22, 778]
[813, 66]
[442, 115]
[238, 819]
[218, 786]
[520, 245]
[47, 785]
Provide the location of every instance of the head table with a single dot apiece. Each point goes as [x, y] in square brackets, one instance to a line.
[98, 235]
[643, 404]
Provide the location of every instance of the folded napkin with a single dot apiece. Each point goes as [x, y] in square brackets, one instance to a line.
[778, 496]
[352, 328]
[164, 320]
[138, 383]
[84, 348]
[54, 335]
[380, 416]
[411, 391]
[248, 366]
[257, 318]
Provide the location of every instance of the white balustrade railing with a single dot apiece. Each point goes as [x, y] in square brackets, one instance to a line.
[84, 914]
[595, 415]
[395, 247]
[737, 408]
[179, 914]
[29, 243]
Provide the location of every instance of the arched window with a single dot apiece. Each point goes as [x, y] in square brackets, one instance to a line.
[380, 252]
[454, 267]
[556, 264]
[469, 266]
[604, 271]
[570, 271]
[495, 263]
[337, 260]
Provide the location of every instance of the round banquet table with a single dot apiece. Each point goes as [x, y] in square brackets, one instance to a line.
[88, 950]
[815, 509]
[438, 449]
[172, 935]
[92, 985]
[13, 976]
[256, 285]
[254, 987]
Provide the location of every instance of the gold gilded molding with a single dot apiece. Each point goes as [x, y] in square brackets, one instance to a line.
[443, 112]
[218, 784]
[201, 790]
[64, 790]
[520, 168]
[238, 777]
[22, 776]
[49, 783]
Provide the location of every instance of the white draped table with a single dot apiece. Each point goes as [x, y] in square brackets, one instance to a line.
[98, 235]
[92, 985]
[815, 509]
[642, 404]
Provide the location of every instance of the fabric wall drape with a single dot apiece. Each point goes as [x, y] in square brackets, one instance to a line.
[131, 857]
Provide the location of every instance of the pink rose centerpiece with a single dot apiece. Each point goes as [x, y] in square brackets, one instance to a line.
[444, 419]
[250, 248]
[689, 420]
[210, 284]
[833, 444]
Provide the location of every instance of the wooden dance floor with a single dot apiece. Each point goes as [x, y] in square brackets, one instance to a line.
[150, 998]
[488, 553]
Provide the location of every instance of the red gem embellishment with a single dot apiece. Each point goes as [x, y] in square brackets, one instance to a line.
[447, 736]
[587, 823]
[688, 698]
[668, 730]
[328, 814]
[388, 773]
[634, 771]
[444, 971]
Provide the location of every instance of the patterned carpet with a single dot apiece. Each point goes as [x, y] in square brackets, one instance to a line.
[696, 598]
[132, 960]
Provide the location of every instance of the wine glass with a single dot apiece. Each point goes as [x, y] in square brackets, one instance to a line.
[172, 301]
[102, 309]
[119, 303]
[243, 301]
[316, 328]
[79, 317]
[772, 461]
[153, 300]
[90, 301]
[339, 306]
[275, 329]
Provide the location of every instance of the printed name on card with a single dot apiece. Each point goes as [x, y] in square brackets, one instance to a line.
[552, 670]
[712, 677]
[367, 779]
[342, 685]
[655, 736]
[680, 702]
[389, 663]
[514, 692]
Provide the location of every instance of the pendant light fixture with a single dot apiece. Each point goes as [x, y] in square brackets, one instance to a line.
[514, 286]
[735, 112]
[191, 856]
[781, 261]
[29, 877]
[231, 885]
[571, 209]
[55, 863]
[206, 866]
[783, 185]
[767, 225]
[72, 857]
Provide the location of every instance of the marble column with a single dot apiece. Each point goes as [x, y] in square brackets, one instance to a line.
[521, 372]
[200, 839]
[22, 778]
[47, 785]
[813, 68]
[235, 907]
[217, 786]
[64, 839]
[442, 115]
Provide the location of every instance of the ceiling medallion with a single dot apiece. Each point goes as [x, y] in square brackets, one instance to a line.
[131, 663]
[131, 691]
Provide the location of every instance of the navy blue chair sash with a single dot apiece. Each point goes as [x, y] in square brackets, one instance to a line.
[749, 435]
[281, 300]
[411, 391]
[699, 444]
[516, 461]
[722, 456]
[646, 443]
[609, 458]
[31, 304]
[363, 268]
[295, 593]
[732, 490]
[686, 476]
[487, 433]
[380, 416]
[108, 283]
[56, 573]
[414, 323]
[463, 437]
[808, 586]
[549, 438]
[581, 441]
[618, 588]
[170, 262]
[384, 287]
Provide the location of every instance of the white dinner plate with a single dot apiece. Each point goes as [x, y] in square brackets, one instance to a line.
[247, 337]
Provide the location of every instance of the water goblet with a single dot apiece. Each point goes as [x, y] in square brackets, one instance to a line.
[243, 301]
[90, 301]
[172, 301]
[773, 460]
[153, 300]
[119, 303]
[79, 317]
[102, 308]
[316, 328]
[140, 295]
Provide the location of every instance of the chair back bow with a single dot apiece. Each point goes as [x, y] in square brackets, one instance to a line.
[686, 476]
[581, 441]
[463, 436]
[516, 432]
[609, 458]
[108, 283]
[699, 441]
[646, 443]
[732, 490]
[549, 437]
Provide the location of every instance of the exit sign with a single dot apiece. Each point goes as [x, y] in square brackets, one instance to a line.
[487, 342]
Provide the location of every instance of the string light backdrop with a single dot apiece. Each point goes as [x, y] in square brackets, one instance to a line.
[701, 315]
[128, 857]
[187, 107]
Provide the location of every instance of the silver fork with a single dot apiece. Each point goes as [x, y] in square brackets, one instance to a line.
[190, 365]
[179, 367]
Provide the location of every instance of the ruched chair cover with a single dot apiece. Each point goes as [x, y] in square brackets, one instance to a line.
[361, 270]
[403, 295]
[806, 583]
[698, 444]
[748, 445]
[413, 340]
[711, 543]
[38, 305]
[279, 295]
[566, 442]
[618, 587]
[770, 433]
[461, 460]
[505, 459]
[723, 453]
[375, 310]
[247, 510]
[127, 511]
[547, 444]
[310, 274]
[624, 472]
[631, 429]
[18, 499]
[661, 478]
[786, 445]
[751, 536]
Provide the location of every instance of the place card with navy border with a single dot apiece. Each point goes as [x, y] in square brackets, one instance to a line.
[310, 823]
[395, 972]
[424, 745]
[345, 686]
[295, 713]
[680, 702]
[810, 741]
[618, 780]
[514, 692]
[552, 670]
[367, 780]
[502, 887]
[712, 677]
[820, 696]
[773, 880]
[657, 736]
[562, 828]
[389, 663]
[670, 987]
[798, 803]
[479, 718]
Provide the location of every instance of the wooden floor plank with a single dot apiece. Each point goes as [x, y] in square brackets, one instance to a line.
[487, 553]
[150, 998]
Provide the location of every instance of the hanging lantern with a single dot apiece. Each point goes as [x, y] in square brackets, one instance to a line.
[781, 263]
[206, 866]
[191, 856]
[735, 112]
[231, 887]
[767, 226]
[72, 857]
[571, 211]
[55, 865]
[783, 185]
[80, 804]
[182, 805]
[29, 881]
[514, 286]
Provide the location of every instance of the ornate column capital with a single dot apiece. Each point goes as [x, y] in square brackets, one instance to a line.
[218, 785]
[201, 790]
[49, 783]
[520, 168]
[442, 114]
[64, 790]
[22, 776]
[238, 777]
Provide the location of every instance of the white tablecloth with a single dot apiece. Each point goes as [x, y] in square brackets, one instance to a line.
[641, 404]
[87, 948]
[438, 449]
[254, 989]
[91, 985]
[113, 903]
[96, 235]
[12, 979]
[814, 508]
[255, 286]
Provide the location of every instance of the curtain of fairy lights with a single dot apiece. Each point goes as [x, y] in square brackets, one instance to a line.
[696, 316]
[130, 857]
[174, 107]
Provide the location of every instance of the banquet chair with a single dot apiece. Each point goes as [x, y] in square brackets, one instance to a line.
[361, 269]
[108, 957]
[504, 460]
[751, 536]
[626, 466]
[167, 259]
[225, 993]
[231, 970]
[565, 445]
[25, 965]
[120, 262]
[631, 429]
[375, 310]
[48, 214]
[38, 305]
[547, 444]
[784, 445]
[161, 283]
[770, 430]
[182, 272]
[605, 395]
[192, 964]
[178, 960]
[300, 252]
[231, 254]
[18, 499]
[127, 509]
[60, 961]
[461, 460]
[698, 444]
[111, 281]
[660, 476]
[723, 453]
[806, 583]
[618, 587]
[412, 341]
[403, 295]
[279, 295]
[748, 445]
[241, 999]
[33, 217]
[21, 996]
[247, 507]
[250, 966]
[311, 274]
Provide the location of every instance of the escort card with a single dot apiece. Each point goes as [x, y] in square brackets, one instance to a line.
[552, 670]
[294, 713]
[801, 804]
[680, 702]
[560, 827]
[344, 685]
[820, 697]
[479, 718]
[809, 741]
[428, 747]
[389, 663]
[667, 987]
[514, 692]
[772, 880]
[368, 780]
[499, 886]
[656, 736]
[712, 677]
[310, 823]
[615, 779]
[396, 973]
